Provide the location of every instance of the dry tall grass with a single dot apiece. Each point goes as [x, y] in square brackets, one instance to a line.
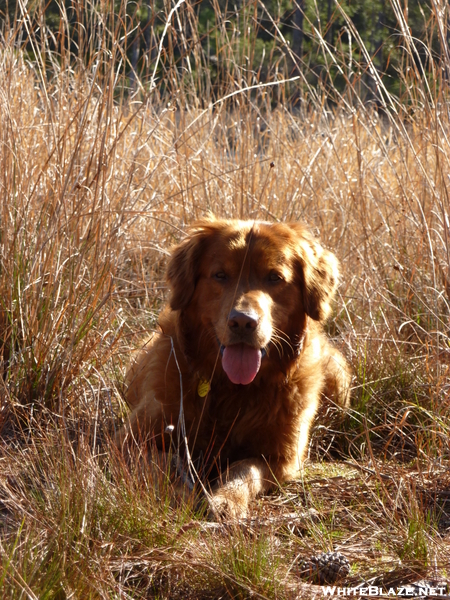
[97, 182]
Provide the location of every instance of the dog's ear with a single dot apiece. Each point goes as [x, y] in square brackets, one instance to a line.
[184, 265]
[318, 271]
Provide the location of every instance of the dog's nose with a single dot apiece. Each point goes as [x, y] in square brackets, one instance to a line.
[242, 320]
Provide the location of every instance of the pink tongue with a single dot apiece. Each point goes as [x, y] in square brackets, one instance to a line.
[241, 363]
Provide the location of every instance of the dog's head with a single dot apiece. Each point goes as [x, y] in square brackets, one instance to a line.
[246, 288]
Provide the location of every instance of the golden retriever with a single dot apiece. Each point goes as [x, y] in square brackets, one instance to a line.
[242, 350]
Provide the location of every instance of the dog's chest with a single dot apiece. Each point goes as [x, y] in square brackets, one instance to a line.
[248, 422]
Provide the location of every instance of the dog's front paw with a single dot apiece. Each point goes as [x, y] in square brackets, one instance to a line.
[224, 505]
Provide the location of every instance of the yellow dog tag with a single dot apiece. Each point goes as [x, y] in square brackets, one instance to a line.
[203, 387]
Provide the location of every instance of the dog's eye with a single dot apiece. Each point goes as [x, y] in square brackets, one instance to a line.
[220, 276]
[274, 276]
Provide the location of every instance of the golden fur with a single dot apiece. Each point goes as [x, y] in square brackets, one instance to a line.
[257, 293]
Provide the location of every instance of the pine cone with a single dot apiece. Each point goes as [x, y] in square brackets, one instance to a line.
[325, 568]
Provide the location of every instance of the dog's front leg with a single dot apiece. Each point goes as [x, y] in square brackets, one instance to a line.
[243, 481]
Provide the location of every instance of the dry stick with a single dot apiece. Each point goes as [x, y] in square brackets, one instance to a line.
[356, 465]
[181, 415]
[182, 436]
[232, 301]
[246, 523]
[236, 93]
